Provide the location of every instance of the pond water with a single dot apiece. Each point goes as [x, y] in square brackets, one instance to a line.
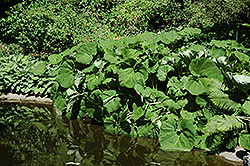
[37, 136]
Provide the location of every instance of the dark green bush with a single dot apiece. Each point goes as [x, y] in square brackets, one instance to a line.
[133, 17]
[209, 12]
[49, 26]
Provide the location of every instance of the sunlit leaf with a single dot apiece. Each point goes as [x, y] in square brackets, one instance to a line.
[55, 58]
[84, 58]
[65, 75]
[163, 71]
[137, 112]
[205, 67]
[244, 140]
[128, 77]
[94, 80]
[39, 68]
[177, 135]
[169, 37]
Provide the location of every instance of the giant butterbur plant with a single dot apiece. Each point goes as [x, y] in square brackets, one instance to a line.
[158, 85]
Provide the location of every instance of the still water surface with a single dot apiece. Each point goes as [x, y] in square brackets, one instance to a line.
[42, 140]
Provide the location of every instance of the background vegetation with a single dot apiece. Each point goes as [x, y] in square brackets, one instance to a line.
[174, 70]
[50, 26]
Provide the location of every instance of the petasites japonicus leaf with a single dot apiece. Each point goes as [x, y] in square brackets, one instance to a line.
[65, 75]
[129, 77]
[177, 135]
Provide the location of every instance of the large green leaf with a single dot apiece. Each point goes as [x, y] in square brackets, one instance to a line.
[190, 31]
[84, 58]
[127, 53]
[195, 86]
[89, 48]
[216, 53]
[224, 123]
[149, 37]
[110, 100]
[241, 56]
[94, 80]
[85, 53]
[222, 100]
[169, 37]
[205, 67]
[244, 140]
[137, 112]
[55, 58]
[65, 75]
[144, 92]
[39, 68]
[113, 104]
[206, 76]
[110, 56]
[221, 43]
[128, 77]
[131, 41]
[246, 107]
[60, 103]
[177, 136]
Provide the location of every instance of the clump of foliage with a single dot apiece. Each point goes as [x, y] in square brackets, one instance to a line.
[159, 85]
[49, 26]
[26, 75]
[5, 6]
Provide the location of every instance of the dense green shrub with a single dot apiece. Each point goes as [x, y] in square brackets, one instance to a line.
[133, 17]
[53, 26]
[209, 12]
[50, 26]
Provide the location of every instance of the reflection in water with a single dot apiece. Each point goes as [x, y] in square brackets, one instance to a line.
[39, 137]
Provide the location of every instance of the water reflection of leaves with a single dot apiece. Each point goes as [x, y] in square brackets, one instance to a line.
[94, 146]
[60, 142]
[34, 136]
[185, 158]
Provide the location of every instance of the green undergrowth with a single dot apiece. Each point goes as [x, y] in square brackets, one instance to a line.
[171, 86]
[26, 75]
